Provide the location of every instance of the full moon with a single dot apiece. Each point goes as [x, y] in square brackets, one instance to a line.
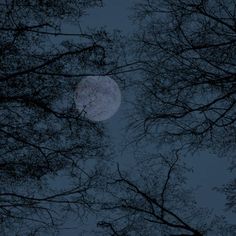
[97, 97]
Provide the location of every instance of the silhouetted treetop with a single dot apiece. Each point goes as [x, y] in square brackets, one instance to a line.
[189, 78]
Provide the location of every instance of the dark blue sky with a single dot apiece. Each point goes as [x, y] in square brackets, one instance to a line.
[209, 170]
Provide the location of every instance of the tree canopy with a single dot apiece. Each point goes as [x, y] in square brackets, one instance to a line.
[53, 160]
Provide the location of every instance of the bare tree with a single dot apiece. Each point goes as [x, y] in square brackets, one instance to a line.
[44, 140]
[188, 80]
[153, 200]
[187, 88]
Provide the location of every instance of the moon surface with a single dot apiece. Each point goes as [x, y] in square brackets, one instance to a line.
[97, 97]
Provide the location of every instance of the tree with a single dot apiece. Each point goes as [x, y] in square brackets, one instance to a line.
[229, 190]
[187, 91]
[43, 138]
[188, 81]
[153, 200]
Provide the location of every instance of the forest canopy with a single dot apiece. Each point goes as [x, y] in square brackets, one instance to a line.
[56, 165]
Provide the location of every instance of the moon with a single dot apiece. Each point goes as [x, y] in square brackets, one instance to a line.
[97, 97]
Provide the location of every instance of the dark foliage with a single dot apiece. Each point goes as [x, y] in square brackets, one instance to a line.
[44, 140]
[187, 94]
[152, 199]
[188, 54]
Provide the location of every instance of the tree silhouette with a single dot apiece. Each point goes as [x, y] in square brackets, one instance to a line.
[44, 140]
[229, 190]
[187, 50]
[49, 152]
[155, 201]
[187, 90]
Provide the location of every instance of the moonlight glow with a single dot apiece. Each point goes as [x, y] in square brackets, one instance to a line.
[97, 97]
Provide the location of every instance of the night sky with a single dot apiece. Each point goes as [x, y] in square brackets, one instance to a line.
[206, 169]
[209, 170]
